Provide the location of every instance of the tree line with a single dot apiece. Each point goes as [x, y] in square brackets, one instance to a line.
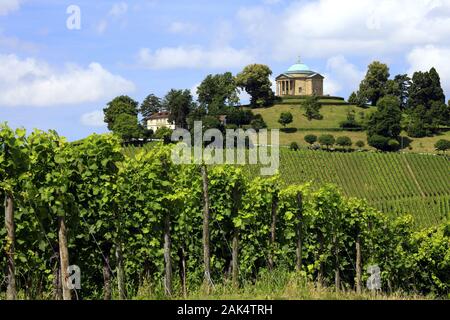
[415, 104]
[217, 95]
[126, 221]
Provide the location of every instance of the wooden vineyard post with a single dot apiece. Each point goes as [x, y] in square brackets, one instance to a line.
[182, 255]
[235, 243]
[337, 274]
[11, 293]
[64, 257]
[273, 230]
[167, 256]
[107, 293]
[206, 249]
[358, 265]
[321, 271]
[299, 250]
[120, 271]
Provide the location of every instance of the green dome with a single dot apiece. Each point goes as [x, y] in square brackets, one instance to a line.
[299, 68]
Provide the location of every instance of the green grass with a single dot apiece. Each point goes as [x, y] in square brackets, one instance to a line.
[395, 183]
[276, 285]
[332, 116]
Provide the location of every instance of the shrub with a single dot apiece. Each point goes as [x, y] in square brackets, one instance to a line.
[311, 139]
[231, 126]
[417, 129]
[258, 123]
[379, 142]
[394, 145]
[344, 141]
[352, 125]
[163, 133]
[327, 140]
[442, 145]
[360, 144]
[294, 146]
[285, 118]
[312, 108]
[239, 116]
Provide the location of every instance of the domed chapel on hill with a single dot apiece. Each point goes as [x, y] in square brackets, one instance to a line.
[299, 80]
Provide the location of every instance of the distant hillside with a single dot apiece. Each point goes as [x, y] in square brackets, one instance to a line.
[333, 114]
[395, 183]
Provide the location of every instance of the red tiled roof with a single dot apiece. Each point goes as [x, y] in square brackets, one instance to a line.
[159, 115]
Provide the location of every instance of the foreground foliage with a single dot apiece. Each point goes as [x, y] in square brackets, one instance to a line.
[135, 222]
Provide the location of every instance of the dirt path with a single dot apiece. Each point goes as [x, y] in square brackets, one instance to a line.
[414, 177]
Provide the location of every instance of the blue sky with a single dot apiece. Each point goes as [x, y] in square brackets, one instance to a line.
[52, 77]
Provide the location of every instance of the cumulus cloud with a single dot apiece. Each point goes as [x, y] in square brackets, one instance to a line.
[7, 6]
[323, 28]
[93, 119]
[342, 76]
[29, 82]
[194, 57]
[426, 57]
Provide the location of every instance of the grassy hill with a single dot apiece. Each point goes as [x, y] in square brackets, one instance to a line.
[395, 183]
[332, 116]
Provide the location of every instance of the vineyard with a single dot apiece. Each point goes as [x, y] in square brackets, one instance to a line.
[392, 182]
[134, 219]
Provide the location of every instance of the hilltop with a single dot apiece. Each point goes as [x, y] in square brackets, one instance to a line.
[334, 110]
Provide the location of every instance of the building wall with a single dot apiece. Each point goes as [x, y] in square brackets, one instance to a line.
[308, 86]
[155, 124]
[317, 87]
[303, 85]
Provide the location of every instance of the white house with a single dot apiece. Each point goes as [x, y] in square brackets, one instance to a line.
[159, 120]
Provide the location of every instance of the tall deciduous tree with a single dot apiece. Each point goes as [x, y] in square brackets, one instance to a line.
[399, 87]
[217, 92]
[427, 109]
[386, 120]
[374, 84]
[151, 104]
[117, 106]
[384, 124]
[179, 103]
[254, 79]
[127, 126]
[425, 88]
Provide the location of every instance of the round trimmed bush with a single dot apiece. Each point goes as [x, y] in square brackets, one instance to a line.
[311, 139]
[294, 146]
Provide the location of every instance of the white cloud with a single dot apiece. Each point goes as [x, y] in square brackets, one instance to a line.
[341, 77]
[93, 119]
[194, 57]
[426, 57]
[7, 6]
[29, 82]
[323, 28]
